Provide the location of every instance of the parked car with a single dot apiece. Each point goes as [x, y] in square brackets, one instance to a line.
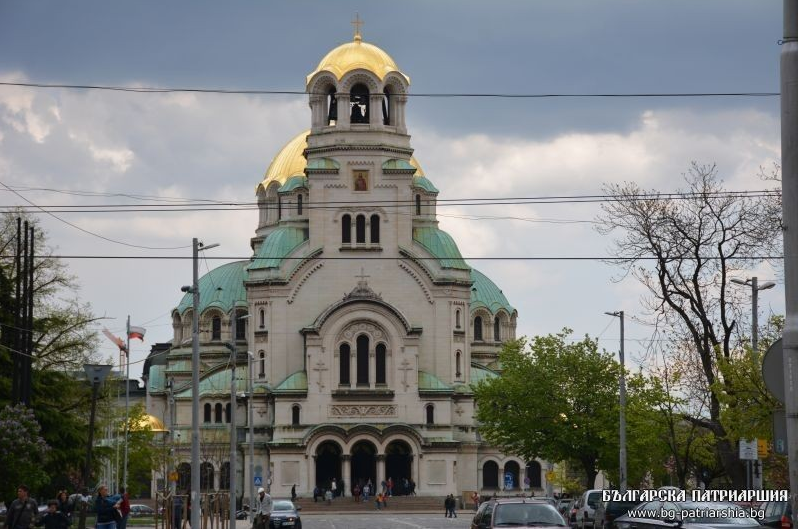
[526, 512]
[285, 514]
[778, 514]
[628, 522]
[586, 509]
[564, 506]
[608, 511]
[138, 510]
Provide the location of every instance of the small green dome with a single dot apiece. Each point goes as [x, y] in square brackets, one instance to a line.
[221, 287]
[277, 246]
[441, 245]
[485, 293]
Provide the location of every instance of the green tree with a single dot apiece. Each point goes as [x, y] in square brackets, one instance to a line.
[559, 401]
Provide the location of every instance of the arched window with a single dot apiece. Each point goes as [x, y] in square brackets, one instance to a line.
[346, 229]
[207, 416]
[360, 229]
[380, 359]
[386, 106]
[216, 328]
[241, 327]
[375, 229]
[478, 328]
[496, 329]
[418, 204]
[279, 207]
[457, 363]
[262, 364]
[178, 327]
[262, 318]
[295, 415]
[299, 204]
[332, 105]
[430, 409]
[490, 475]
[227, 414]
[217, 416]
[457, 319]
[362, 360]
[344, 353]
[533, 472]
[206, 476]
[359, 103]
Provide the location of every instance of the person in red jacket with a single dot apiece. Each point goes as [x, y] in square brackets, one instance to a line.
[124, 508]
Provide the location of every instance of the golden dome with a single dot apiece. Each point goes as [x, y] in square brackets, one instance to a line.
[147, 423]
[290, 161]
[354, 55]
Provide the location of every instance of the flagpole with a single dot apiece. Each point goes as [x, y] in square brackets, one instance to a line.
[115, 483]
[127, 395]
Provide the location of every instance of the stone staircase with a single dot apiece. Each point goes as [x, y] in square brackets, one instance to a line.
[395, 503]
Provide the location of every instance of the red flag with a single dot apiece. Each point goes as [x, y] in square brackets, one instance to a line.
[136, 332]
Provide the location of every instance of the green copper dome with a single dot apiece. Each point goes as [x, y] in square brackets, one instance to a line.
[485, 293]
[441, 245]
[277, 246]
[480, 373]
[221, 287]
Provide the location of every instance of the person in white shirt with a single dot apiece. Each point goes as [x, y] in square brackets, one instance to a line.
[263, 509]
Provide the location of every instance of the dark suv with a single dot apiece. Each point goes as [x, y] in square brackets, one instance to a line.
[517, 512]
[778, 514]
[608, 511]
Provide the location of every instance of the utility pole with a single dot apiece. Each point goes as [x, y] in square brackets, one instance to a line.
[251, 441]
[233, 430]
[789, 196]
[127, 397]
[196, 246]
[96, 374]
[622, 402]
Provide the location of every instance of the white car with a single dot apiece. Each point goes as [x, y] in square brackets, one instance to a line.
[586, 508]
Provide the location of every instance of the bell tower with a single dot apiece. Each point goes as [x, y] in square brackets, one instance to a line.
[358, 151]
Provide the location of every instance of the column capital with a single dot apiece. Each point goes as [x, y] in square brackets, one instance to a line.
[380, 457]
[345, 457]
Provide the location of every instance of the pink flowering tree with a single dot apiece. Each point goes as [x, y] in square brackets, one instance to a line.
[22, 451]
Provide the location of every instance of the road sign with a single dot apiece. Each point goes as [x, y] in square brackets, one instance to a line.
[173, 476]
[258, 481]
[762, 448]
[509, 482]
[550, 475]
[748, 449]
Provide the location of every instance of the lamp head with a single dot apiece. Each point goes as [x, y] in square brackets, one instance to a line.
[207, 246]
[185, 288]
[740, 281]
[765, 286]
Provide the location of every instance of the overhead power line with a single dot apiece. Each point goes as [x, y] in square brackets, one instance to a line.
[605, 258]
[497, 95]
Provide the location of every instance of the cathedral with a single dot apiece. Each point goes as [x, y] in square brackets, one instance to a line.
[360, 330]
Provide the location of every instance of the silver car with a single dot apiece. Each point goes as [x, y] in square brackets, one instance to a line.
[686, 515]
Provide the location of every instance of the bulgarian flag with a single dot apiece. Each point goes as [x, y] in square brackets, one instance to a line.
[136, 332]
[116, 339]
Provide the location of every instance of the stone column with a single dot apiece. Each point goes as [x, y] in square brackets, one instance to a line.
[380, 473]
[372, 366]
[347, 474]
[312, 475]
[343, 111]
[375, 111]
[353, 367]
[317, 117]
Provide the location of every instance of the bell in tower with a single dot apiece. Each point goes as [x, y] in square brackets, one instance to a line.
[359, 102]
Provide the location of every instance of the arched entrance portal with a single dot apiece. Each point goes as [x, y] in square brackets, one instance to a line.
[398, 465]
[364, 464]
[328, 464]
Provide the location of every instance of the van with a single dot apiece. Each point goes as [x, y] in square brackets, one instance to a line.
[586, 509]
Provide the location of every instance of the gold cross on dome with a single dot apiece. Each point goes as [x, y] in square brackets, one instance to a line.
[357, 23]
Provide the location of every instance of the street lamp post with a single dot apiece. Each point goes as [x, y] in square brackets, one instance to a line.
[755, 288]
[250, 358]
[622, 402]
[195, 365]
[231, 345]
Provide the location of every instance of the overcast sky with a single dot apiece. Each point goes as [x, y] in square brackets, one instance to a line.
[218, 146]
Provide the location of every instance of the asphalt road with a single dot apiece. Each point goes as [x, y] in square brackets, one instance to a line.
[384, 520]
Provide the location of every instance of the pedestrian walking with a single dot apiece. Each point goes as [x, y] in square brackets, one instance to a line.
[328, 495]
[65, 505]
[452, 505]
[356, 493]
[317, 494]
[22, 511]
[366, 490]
[53, 518]
[263, 510]
[106, 508]
[389, 484]
[293, 492]
[124, 507]
[378, 500]
[334, 488]
[342, 488]
[446, 507]
[475, 500]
